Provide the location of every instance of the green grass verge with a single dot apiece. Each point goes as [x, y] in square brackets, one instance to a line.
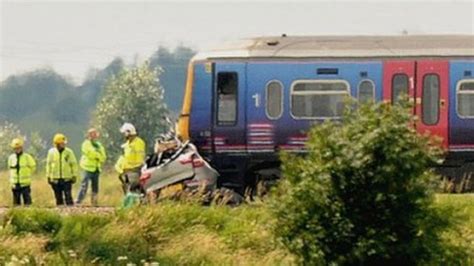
[171, 233]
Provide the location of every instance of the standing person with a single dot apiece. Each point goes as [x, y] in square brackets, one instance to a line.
[92, 159]
[22, 166]
[133, 158]
[61, 170]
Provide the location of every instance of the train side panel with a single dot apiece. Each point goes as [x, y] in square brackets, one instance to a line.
[280, 127]
[201, 108]
[267, 95]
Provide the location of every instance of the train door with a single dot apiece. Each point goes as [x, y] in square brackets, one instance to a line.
[431, 105]
[398, 80]
[461, 118]
[229, 117]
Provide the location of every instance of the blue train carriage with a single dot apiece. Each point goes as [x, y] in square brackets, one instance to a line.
[245, 102]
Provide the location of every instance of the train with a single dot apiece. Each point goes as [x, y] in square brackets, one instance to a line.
[246, 101]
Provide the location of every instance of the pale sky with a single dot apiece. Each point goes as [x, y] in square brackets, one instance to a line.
[74, 36]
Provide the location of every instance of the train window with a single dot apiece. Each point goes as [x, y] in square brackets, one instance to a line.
[318, 98]
[274, 99]
[227, 84]
[399, 87]
[366, 91]
[465, 98]
[430, 99]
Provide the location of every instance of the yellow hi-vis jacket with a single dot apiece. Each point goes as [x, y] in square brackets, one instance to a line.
[133, 155]
[21, 168]
[61, 164]
[93, 156]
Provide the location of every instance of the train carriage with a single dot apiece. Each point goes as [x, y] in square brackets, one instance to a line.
[245, 102]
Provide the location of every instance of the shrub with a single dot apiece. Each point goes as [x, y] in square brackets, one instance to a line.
[33, 221]
[363, 193]
[80, 228]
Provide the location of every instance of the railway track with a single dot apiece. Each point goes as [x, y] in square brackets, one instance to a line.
[69, 210]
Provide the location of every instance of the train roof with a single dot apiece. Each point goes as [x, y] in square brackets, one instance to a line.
[346, 47]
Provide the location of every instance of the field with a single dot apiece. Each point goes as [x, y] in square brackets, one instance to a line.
[110, 193]
[168, 233]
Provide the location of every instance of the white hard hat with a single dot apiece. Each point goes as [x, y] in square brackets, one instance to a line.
[128, 129]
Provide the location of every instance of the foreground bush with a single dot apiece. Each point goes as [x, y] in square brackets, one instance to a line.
[34, 221]
[362, 195]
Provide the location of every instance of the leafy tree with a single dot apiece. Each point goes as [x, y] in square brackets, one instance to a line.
[34, 144]
[37, 147]
[30, 92]
[363, 194]
[8, 132]
[92, 87]
[70, 109]
[44, 101]
[136, 96]
[173, 77]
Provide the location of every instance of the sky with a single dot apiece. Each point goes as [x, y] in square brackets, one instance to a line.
[74, 36]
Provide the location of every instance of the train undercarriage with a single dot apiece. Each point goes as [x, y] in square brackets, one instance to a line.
[254, 175]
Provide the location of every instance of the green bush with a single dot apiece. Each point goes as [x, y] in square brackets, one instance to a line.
[80, 228]
[33, 221]
[363, 193]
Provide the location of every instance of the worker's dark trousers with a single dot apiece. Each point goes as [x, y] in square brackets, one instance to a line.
[93, 177]
[19, 192]
[130, 179]
[62, 192]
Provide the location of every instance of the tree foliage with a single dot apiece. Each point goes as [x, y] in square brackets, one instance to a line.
[46, 102]
[38, 148]
[32, 92]
[43, 101]
[173, 77]
[92, 87]
[363, 193]
[134, 96]
[34, 144]
[8, 131]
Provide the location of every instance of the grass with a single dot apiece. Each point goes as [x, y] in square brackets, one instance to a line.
[169, 233]
[110, 193]
[462, 234]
